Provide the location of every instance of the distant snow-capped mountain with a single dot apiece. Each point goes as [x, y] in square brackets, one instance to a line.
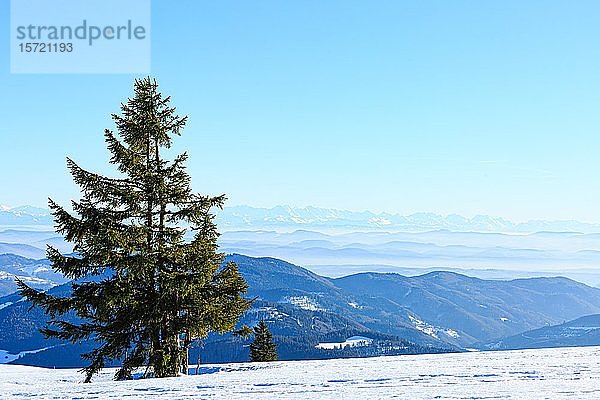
[25, 216]
[245, 217]
[316, 218]
[29, 210]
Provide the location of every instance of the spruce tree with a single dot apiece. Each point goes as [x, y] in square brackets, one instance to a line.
[263, 348]
[140, 290]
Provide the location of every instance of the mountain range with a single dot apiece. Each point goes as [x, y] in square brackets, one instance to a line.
[438, 311]
[335, 243]
[316, 218]
[480, 254]
[245, 217]
[584, 331]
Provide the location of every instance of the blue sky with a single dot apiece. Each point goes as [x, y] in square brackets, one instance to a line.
[462, 107]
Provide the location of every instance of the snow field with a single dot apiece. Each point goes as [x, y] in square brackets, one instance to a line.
[563, 373]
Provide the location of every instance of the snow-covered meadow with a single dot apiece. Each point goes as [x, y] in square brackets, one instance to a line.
[564, 373]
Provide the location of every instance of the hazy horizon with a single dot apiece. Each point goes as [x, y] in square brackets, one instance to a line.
[11, 207]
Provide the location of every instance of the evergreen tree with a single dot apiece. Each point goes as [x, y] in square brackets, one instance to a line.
[263, 348]
[139, 289]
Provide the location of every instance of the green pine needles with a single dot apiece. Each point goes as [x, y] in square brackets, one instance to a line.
[139, 290]
[263, 348]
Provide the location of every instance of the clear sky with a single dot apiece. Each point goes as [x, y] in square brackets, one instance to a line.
[465, 107]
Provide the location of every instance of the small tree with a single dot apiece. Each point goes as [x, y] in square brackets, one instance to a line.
[140, 290]
[263, 348]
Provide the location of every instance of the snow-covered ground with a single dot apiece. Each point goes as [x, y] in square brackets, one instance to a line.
[566, 373]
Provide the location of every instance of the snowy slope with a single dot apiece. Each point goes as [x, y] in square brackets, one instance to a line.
[563, 373]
